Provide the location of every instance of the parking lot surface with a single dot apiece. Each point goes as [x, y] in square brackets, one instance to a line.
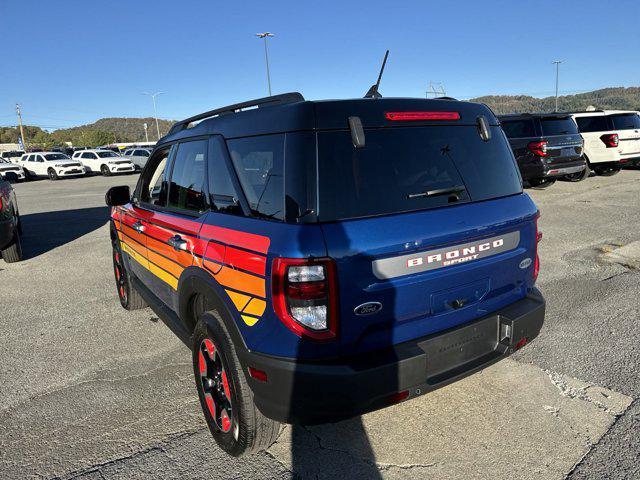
[88, 390]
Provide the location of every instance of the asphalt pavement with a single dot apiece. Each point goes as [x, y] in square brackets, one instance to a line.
[88, 390]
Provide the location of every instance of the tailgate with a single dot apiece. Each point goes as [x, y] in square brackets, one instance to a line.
[564, 148]
[409, 275]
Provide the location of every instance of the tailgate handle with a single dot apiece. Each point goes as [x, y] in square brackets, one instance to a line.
[458, 303]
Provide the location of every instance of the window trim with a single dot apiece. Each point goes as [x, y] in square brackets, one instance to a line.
[136, 200]
[235, 181]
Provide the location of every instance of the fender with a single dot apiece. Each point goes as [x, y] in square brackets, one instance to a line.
[196, 280]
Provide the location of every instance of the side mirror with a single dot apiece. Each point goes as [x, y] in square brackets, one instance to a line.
[117, 196]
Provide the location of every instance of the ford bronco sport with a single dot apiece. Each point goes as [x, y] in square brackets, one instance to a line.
[323, 259]
[547, 146]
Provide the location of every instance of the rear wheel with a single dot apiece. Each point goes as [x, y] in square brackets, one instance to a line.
[234, 421]
[129, 297]
[13, 253]
[607, 172]
[578, 176]
[52, 174]
[105, 171]
[542, 182]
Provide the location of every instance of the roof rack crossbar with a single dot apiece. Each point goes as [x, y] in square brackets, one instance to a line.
[281, 99]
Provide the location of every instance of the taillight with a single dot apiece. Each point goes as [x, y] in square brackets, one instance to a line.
[536, 262]
[305, 296]
[538, 148]
[1, 204]
[611, 140]
[413, 116]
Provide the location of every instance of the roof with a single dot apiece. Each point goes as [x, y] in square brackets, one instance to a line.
[515, 116]
[291, 112]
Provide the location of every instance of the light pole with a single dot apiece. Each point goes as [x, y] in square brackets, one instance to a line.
[146, 133]
[155, 111]
[264, 36]
[557, 63]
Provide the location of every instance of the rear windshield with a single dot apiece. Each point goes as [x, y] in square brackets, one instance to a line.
[597, 123]
[627, 121]
[413, 168]
[519, 128]
[558, 126]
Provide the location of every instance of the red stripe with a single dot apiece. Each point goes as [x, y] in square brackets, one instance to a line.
[244, 260]
[237, 238]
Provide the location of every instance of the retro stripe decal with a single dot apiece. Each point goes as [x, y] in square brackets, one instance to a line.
[236, 259]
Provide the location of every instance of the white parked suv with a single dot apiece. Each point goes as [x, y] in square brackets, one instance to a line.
[138, 156]
[50, 164]
[105, 162]
[10, 171]
[611, 139]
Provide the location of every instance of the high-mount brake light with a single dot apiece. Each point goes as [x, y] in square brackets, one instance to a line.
[538, 148]
[415, 116]
[611, 140]
[305, 296]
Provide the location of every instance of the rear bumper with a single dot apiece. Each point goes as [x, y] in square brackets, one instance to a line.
[630, 162]
[557, 172]
[310, 393]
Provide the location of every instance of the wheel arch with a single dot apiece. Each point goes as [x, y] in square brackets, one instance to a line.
[196, 281]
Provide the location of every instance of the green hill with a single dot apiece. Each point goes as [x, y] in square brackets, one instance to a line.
[617, 98]
[117, 130]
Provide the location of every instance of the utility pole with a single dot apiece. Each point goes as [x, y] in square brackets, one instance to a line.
[557, 63]
[155, 111]
[265, 36]
[146, 133]
[24, 140]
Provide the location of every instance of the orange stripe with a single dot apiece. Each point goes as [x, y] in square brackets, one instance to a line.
[241, 281]
[185, 259]
[131, 233]
[171, 267]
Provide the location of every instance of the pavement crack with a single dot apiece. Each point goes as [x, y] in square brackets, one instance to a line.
[579, 393]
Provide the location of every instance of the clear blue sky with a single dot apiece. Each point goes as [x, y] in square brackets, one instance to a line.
[72, 62]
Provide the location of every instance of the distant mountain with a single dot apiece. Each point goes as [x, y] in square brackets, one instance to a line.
[118, 130]
[617, 98]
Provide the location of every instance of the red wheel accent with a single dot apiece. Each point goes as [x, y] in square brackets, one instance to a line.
[225, 384]
[202, 364]
[215, 385]
[211, 404]
[226, 423]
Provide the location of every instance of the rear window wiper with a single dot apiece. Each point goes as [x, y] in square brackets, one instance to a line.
[438, 192]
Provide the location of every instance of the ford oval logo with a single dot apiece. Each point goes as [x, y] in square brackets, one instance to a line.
[526, 263]
[368, 308]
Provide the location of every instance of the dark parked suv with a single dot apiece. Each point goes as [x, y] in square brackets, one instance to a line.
[10, 226]
[326, 259]
[546, 146]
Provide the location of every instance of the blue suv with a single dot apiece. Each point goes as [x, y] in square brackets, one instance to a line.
[323, 259]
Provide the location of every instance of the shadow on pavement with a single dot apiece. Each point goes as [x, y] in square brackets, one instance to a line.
[45, 231]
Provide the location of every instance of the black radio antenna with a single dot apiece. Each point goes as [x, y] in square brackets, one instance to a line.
[373, 91]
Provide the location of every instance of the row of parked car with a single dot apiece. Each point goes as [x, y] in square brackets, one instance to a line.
[19, 166]
[571, 145]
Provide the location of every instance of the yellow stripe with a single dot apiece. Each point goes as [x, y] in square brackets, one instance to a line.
[251, 321]
[157, 271]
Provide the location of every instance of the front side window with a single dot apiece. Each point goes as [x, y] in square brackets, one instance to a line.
[626, 121]
[258, 161]
[153, 188]
[519, 128]
[187, 185]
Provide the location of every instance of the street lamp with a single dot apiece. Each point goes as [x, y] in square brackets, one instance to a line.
[264, 36]
[557, 63]
[146, 133]
[155, 111]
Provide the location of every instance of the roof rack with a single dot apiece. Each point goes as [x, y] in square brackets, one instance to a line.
[445, 98]
[281, 99]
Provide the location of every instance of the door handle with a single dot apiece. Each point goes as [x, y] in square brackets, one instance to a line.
[138, 227]
[178, 243]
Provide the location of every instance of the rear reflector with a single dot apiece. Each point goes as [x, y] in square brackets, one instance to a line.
[521, 343]
[397, 397]
[258, 374]
[414, 116]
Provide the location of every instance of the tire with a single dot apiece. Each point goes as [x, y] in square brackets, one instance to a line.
[579, 176]
[13, 253]
[129, 297]
[607, 172]
[216, 365]
[52, 174]
[105, 171]
[542, 183]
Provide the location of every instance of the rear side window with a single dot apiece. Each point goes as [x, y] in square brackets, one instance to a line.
[188, 174]
[259, 164]
[402, 169]
[629, 121]
[597, 123]
[519, 128]
[558, 126]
